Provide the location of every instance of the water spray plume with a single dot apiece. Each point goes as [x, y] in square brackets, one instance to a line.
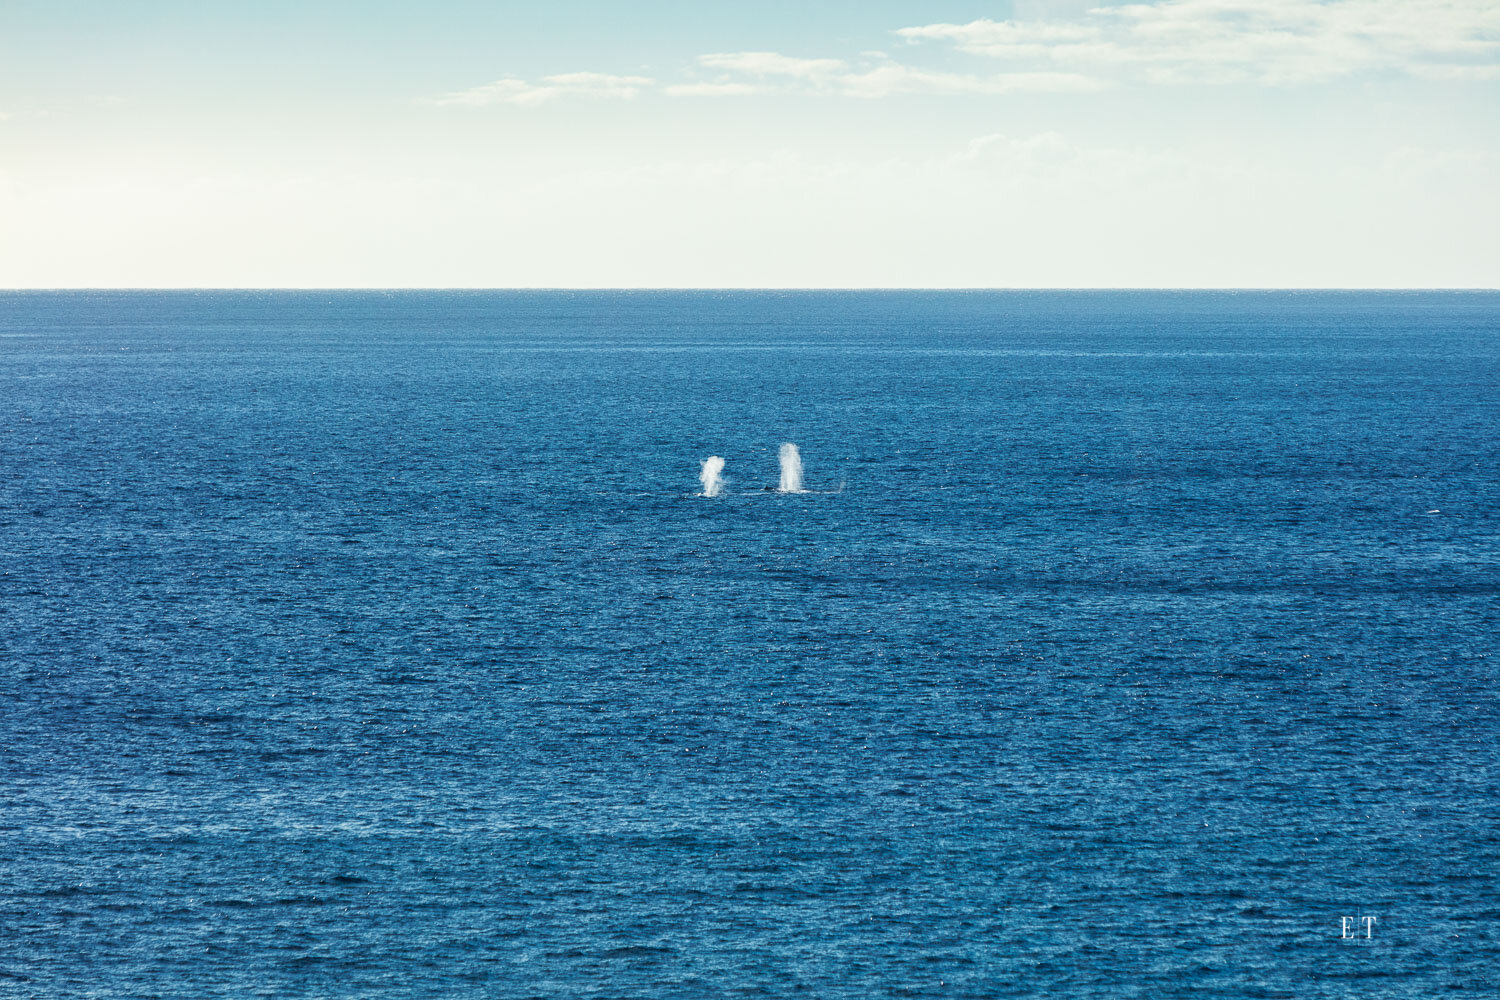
[712, 476]
[791, 469]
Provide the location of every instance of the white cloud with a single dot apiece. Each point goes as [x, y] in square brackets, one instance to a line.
[710, 89]
[882, 79]
[514, 91]
[1259, 41]
[1277, 42]
[774, 64]
[742, 73]
[1462, 72]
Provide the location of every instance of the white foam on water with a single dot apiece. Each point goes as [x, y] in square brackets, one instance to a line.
[791, 469]
[711, 476]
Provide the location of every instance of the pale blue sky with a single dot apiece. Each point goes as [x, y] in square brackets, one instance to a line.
[1184, 143]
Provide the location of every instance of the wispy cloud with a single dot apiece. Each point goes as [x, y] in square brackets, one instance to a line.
[877, 77]
[515, 91]
[1266, 42]
[895, 78]
[1277, 42]
[727, 89]
[774, 64]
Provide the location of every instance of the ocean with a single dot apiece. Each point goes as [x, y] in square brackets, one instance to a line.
[1123, 644]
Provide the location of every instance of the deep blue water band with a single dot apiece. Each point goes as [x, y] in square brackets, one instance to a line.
[378, 645]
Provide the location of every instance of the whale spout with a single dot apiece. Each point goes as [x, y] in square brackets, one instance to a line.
[791, 469]
[711, 476]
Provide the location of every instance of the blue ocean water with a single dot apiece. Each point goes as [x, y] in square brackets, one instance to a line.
[377, 645]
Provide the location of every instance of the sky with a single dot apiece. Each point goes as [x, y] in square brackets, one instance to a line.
[1034, 143]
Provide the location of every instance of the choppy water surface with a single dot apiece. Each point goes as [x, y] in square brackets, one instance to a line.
[364, 645]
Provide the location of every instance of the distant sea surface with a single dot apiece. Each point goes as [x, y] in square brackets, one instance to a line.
[378, 645]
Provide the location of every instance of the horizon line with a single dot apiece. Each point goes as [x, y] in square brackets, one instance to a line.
[748, 288]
